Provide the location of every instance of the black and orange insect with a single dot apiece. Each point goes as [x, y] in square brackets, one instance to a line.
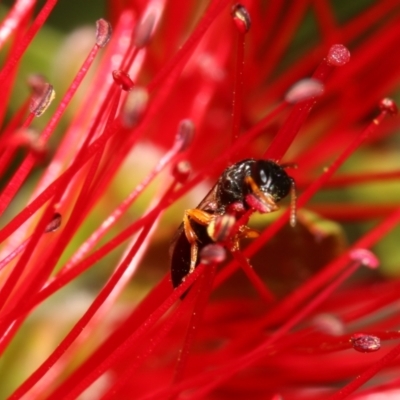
[250, 183]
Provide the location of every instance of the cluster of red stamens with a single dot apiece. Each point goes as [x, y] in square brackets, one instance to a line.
[178, 93]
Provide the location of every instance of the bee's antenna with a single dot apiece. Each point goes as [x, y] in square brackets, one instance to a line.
[293, 201]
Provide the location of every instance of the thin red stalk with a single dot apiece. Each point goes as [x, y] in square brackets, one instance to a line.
[378, 390]
[70, 392]
[89, 314]
[71, 274]
[107, 110]
[308, 288]
[238, 85]
[180, 59]
[38, 276]
[203, 288]
[304, 198]
[366, 375]
[355, 179]
[19, 51]
[350, 32]
[118, 389]
[19, 13]
[19, 177]
[249, 135]
[19, 268]
[353, 212]
[111, 169]
[372, 305]
[14, 253]
[154, 10]
[318, 280]
[98, 90]
[9, 335]
[137, 317]
[283, 34]
[120, 210]
[263, 25]
[219, 375]
[28, 121]
[265, 294]
[313, 304]
[371, 16]
[115, 8]
[326, 20]
[9, 83]
[62, 180]
[297, 117]
[181, 11]
[6, 151]
[101, 314]
[13, 124]
[116, 241]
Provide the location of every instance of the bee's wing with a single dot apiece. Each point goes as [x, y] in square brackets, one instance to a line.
[179, 250]
[207, 204]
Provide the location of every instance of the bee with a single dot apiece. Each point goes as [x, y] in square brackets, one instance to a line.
[247, 184]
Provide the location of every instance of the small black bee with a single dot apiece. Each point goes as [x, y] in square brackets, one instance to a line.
[250, 183]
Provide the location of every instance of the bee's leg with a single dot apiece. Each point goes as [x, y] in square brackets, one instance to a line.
[244, 233]
[258, 200]
[194, 249]
[202, 218]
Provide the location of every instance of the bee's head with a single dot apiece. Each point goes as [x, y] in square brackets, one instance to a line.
[271, 179]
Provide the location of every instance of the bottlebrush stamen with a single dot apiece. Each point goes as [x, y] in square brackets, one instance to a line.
[103, 32]
[365, 343]
[52, 226]
[122, 79]
[182, 171]
[303, 90]
[241, 18]
[42, 98]
[202, 342]
[25, 168]
[338, 56]
[242, 21]
[135, 106]
[259, 352]
[146, 26]
[212, 254]
[315, 186]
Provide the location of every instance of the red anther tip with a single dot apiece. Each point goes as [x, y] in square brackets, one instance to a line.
[122, 79]
[36, 82]
[103, 32]
[144, 30]
[43, 95]
[304, 90]
[185, 134]
[338, 55]
[212, 253]
[54, 224]
[365, 343]
[241, 18]
[329, 324]
[135, 106]
[181, 171]
[365, 257]
[388, 105]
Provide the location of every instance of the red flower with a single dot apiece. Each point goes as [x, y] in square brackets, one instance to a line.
[179, 82]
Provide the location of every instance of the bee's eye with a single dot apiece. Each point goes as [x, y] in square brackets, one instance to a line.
[262, 176]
